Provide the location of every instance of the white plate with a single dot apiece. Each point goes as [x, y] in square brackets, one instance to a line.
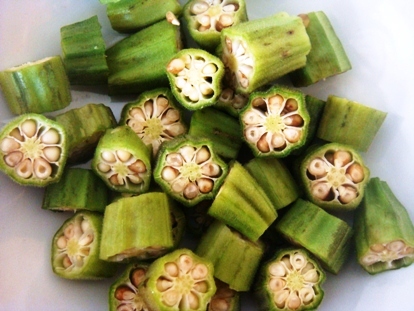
[377, 35]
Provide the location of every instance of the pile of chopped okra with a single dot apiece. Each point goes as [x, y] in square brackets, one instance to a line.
[221, 145]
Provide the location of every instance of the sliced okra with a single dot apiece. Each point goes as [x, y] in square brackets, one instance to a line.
[77, 189]
[225, 298]
[242, 204]
[384, 232]
[254, 59]
[290, 280]
[349, 122]
[36, 87]
[155, 116]
[235, 258]
[75, 248]
[188, 169]
[325, 236]
[137, 228]
[84, 127]
[195, 78]
[327, 56]
[275, 122]
[123, 161]
[180, 281]
[33, 150]
[206, 19]
[334, 176]
[231, 101]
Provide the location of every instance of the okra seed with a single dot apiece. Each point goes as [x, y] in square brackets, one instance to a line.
[124, 293]
[172, 269]
[219, 305]
[321, 190]
[199, 7]
[61, 242]
[103, 167]
[277, 284]
[294, 301]
[202, 155]
[172, 115]
[138, 167]
[108, 156]
[395, 246]
[85, 225]
[163, 284]
[356, 172]
[171, 18]
[168, 173]
[205, 185]
[123, 155]
[175, 66]
[206, 89]
[69, 231]
[311, 276]
[341, 158]
[137, 114]
[52, 153]
[203, 20]
[86, 240]
[277, 269]
[13, 158]
[24, 169]
[192, 301]
[187, 153]
[275, 103]
[9, 144]
[42, 169]
[15, 133]
[115, 180]
[211, 169]
[292, 135]
[179, 185]
[171, 297]
[29, 128]
[209, 69]
[294, 120]
[200, 271]
[201, 287]
[191, 191]
[226, 20]
[50, 137]
[252, 117]
[377, 248]
[174, 159]
[298, 261]
[347, 194]
[306, 295]
[317, 168]
[185, 263]
[66, 263]
[291, 105]
[280, 297]
[262, 144]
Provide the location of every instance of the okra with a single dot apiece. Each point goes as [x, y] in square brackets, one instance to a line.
[290, 280]
[123, 161]
[33, 150]
[36, 87]
[334, 176]
[231, 101]
[155, 117]
[195, 78]
[384, 232]
[325, 236]
[75, 249]
[180, 281]
[188, 169]
[275, 122]
[225, 298]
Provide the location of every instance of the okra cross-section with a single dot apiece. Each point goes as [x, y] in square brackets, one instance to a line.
[188, 169]
[275, 122]
[33, 150]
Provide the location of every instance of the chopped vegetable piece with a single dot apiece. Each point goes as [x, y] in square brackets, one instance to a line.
[225, 298]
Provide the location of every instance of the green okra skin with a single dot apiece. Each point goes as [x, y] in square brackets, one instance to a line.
[384, 232]
[77, 189]
[242, 204]
[327, 56]
[225, 298]
[275, 179]
[349, 122]
[254, 59]
[220, 128]
[235, 258]
[137, 228]
[129, 16]
[206, 19]
[137, 62]
[275, 122]
[179, 281]
[195, 78]
[155, 116]
[84, 127]
[189, 170]
[290, 280]
[36, 87]
[33, 150]
[75, 249]
[325, 236]
[83, 52]
[333, 176]
[123, 161]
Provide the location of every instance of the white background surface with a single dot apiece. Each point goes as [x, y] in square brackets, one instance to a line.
[378, 38]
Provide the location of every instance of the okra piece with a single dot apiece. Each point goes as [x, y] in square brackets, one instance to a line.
[155, 117]
[179, 281]
[220, 128]
[242, 204]
[125, 293]
[231, 102]
[252, 56]
[349, 122]
[83, 52]
[33, 150]
[137, 63]
[137, 228]
[75, 249]
[334, 176]
[225, 298]
[36, 87]
[195, 78]
[325, 236]
[129, 16]
[236, 259]
[188, 169]
[290, 280]
[84, 127]
[206, 19]
[327, 57]
[123, 161]
[275, 122]
[384, 232]
[77, 189]
[275, 179]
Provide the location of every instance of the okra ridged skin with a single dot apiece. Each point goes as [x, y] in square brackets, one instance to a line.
[384, 232]
[36, 87]
[327, 56]
[137, 63]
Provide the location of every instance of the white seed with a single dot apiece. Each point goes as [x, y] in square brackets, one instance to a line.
[199, 7]
[253, 117]
[108, 156]
[278, 141]
[179, 185]
[123, 155]
[192, 301]
[50, 137]
[174, 159]
[24, 169]
[275, 104]
[229, 44]
[230, 8]
[180, 82]
[149, 108]
[211, 170]
[206, 89]
[136, 125]
[280, 297]
[85, 225]
[277, 284]
[370, 259]
[42, 168]
[244, 82]
[200, 271]
[52, 153]
[191, 191]
[176, 65]
[293, 301]
[66, 262]
[9, 144]
[116, 180]
[29, 128]
[246, 70]
[61, 242]
[209, 69]
[172, 269]
[253, 133]
[69, 231]
[219, 305]
[356, 172]
[321, 190]
[194, 96]
[317, 167]
[185, 263]
[138, 167]
[298, 261]
[172, 115]
[171, 297]
[347, 194]
[202, 155]
[171, 18]
[15, 133]
[311, 276]
[14, 158]
[306, 295]
[175, 129]
[341, 158]
[293, 135]
[277, 269]
[163, 284]
[201, 287]
[203, 20]
[168, 173]
[187, 153]
[205, 185]
[103, 167]
[86, 240]
[395, 246]
[137, 114]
